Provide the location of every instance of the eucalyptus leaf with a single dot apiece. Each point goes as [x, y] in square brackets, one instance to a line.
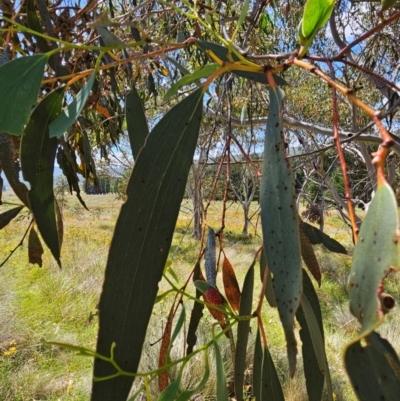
[19, 85]
[141, 243]
[71, 113]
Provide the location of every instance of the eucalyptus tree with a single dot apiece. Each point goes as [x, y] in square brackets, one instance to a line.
[78, 75]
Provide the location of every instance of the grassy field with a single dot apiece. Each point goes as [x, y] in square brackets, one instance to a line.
[52, 304]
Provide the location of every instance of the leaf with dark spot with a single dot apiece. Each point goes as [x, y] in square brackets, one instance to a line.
[231, 285]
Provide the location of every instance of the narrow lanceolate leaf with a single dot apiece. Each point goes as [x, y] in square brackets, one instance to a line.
[311, 329]
[7, 216]
[136, 121]
[35, 249]
[246, 302]
[231, 285]
[188, 79]
[271, 388]
[374, 369]
[187, 394]
[269, 292]
[195, 315]
[279, 223]
[71, 113]
[257, 367]
[222, 392]
[210, 259]
[376, 253]
[317, 236]
[141, 242]
[163, 379]
[20, 83]
[38, 152]
[308, 255]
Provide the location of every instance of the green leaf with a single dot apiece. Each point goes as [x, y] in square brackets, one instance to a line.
[7, 216]
[179, 324]
[20, 83]
[373, 369]
[188, 79]
[38, 153]
[386, 4]
[222, 53]
[136, 121]
[71, 113]
[172, 390]
[317, 236]
[316, 15]
[311, 335]
[279, 223]
[376, 252]
[257, 367]
[271, 388]
[142, 239]
[246, 301]
[222, 392]
[269, 292]
[185, 395]
[109, 38]
[243, 13]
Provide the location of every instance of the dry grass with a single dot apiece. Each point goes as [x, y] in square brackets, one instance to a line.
[38, 304]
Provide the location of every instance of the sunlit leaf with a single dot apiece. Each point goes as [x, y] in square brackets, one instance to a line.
[188, 79]
[222, 53]
[316, 15]
[142, 238]
[20, 83]
[231, 285]
[71, 113]
[279, 223]
[38, 153]
[269, 292]
[376, 253]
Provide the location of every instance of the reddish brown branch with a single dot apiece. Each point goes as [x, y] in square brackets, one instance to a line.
[342, 160]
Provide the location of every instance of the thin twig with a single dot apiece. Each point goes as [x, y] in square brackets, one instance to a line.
[18, 245]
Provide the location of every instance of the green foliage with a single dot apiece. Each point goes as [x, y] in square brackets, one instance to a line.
[249, 50]
[162, 166]
[20, 84]
[279, 224]
[38, 152]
